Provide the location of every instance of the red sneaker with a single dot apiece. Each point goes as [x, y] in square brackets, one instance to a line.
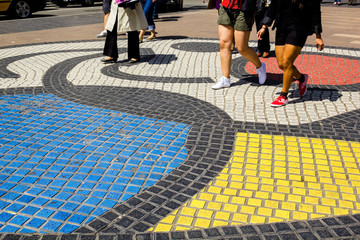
[280, 101]
[303, 85]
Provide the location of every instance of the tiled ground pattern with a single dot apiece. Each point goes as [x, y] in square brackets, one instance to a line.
[209, 144]
[268, 180]
[173, 65]
[62, 160]
[343, 71]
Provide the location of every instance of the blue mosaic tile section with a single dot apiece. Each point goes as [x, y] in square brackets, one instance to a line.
[62, 164]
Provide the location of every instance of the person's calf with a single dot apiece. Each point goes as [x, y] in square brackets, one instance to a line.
[244, 50]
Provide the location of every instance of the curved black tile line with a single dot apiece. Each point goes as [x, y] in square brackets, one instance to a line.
[342, 227]
[216, 130]
[147, 55]
[111, 70]
[22, 90]
[5, 73]
[197, 47]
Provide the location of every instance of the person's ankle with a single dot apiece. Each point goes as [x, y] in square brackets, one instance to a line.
[284, 94]
[260, 66]
[301, 79]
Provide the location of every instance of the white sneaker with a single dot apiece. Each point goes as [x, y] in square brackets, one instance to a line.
[223, 82]
[261, 71]
[102, 34]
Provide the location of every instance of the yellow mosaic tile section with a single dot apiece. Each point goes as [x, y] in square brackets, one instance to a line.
[274, 179]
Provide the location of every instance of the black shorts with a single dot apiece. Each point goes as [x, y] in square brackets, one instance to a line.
[106, 6]
[290, 37]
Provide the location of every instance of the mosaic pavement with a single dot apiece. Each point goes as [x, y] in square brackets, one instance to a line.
[150, 151]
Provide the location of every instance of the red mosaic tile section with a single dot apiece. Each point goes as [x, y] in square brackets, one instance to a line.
[322, 70]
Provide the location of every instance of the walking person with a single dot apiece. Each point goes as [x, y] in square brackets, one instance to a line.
[295, 20]
[106, 10]
[263, 47]
[148, 6]
[235, 21]
[130, 20]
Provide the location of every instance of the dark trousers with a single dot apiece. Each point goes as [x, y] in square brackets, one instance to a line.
[264, 44]
[111, 49]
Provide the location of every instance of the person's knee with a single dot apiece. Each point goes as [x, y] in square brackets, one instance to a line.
[225, 43]
[286, 64]
[242, 48]
[281, 66]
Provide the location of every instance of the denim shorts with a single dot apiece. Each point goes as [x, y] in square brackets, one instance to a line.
[235, 18]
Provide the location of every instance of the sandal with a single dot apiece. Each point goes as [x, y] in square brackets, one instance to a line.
[150, 38]
[108, 60]
[134, 60]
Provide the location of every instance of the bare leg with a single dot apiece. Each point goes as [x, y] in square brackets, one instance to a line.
[242, 45]
[279, 53]
[106, 17]
[286, 56]
[226, 34]
[152, 34]
[141, 35]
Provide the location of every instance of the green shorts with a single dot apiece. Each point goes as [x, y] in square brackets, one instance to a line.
[236, 19]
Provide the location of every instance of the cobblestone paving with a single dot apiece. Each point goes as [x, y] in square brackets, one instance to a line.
[8, 27]
[150, 151]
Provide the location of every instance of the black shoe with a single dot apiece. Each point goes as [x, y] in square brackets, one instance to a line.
[133, 60]
[111, 60]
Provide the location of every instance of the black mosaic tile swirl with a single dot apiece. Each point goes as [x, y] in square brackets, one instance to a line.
[342, 227]
[146, 102]
[5, 73]
[22, 90]
[196, 47]
[147, 55]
